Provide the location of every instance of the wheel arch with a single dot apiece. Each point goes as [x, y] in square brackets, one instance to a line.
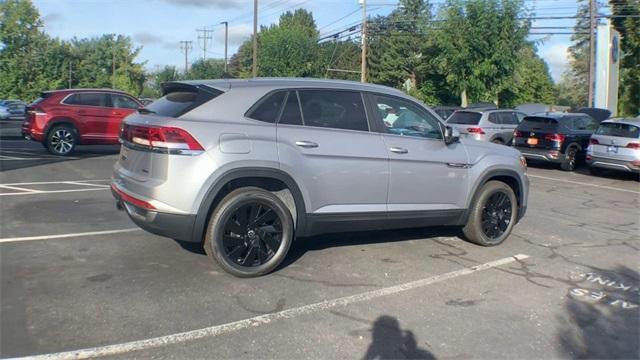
[267, 178]
[507, 176]
[60, 121]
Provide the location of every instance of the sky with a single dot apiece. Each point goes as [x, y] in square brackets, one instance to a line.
[159, 25]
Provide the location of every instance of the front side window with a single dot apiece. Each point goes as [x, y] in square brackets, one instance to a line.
[268, 109]
[123, 102]
[333, 109]
[402, 117]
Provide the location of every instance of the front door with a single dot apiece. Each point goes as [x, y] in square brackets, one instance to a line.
[425, 174]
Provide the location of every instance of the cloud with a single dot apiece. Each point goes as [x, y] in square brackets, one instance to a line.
[52, 18]
[557, 57]
[219, 4]
[237, 34]
[147, 38]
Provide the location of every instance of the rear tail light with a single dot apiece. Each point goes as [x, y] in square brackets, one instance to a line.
[635, 163]
[594, 142]
[475, 130]
[555, 137]
[634, 146]
[588, 157]
[517, 133]
[161, 138]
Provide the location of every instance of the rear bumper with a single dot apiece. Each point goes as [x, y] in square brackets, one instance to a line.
[175, 226]
[550, 155]
[612, 164]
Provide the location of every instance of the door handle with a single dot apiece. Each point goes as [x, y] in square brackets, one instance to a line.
[306, 144]
[398, 150]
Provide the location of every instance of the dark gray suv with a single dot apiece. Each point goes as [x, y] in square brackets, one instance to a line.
[245, 166]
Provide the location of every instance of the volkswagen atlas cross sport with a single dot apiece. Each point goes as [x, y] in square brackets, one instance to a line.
[63, 119]
[245, 166]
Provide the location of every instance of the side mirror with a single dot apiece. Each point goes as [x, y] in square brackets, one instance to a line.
[451, 135]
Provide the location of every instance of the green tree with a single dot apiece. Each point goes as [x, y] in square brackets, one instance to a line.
[479, 42]
[153, 84]
[629, 28]
[342, 55]
[206, 69]
[531, 82]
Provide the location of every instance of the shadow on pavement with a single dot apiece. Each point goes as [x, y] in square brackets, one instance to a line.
[584, 170]
[391, 342]
[604, 322]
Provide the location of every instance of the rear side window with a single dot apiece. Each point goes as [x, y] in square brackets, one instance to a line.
[464, 118]
[268, 109]
[123, 102]
[494, 118]
[581, 123]
[619, 130]
[333, 109]
[534, 123]
[508, 118]
[88, 99]
[291, 114]
[182, 100]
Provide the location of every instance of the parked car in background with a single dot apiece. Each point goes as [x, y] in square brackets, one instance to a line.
[63, 119]
[496, 126]
[445, 111]
[560, 138]
[244, 166]
[12, 109]
[615, 146]
[146, 101]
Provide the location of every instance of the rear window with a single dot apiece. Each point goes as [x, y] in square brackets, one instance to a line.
[464, 118]
[619, 130]
[182, 100]
[268, 109]
[538, 123]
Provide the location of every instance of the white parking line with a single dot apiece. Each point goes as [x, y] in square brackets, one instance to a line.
[39, 192]
[16, 188]
[62, 236]
[218, 330]
[83, 184]
[585, 184]
[56, 182]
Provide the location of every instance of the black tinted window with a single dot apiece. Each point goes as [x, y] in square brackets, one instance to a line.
[88, 99]
[494, 118]
[268, 109]
[619, 130]
[464, 118]
[581, 123]
[291, 113]
[179, 102]
[507, 118]
[123, 102]
[333, 109]
[531, 123]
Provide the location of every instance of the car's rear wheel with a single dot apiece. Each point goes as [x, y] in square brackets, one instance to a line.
[493, 214]
[570, 159]
[62, 140]
[250, 232]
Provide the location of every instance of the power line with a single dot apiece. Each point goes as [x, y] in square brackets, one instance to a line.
[207, 35]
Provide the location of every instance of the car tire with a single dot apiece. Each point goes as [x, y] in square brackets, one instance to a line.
[570, 159]
[498, 141]
[492, 215]
[62, 140]
[239, 244]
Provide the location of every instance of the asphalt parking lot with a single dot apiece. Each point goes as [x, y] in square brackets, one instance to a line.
[79, 279]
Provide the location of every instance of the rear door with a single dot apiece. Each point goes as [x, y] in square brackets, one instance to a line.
[92, 111]
[425, 174]
[508, 124]
[324, 142]
[122, 106]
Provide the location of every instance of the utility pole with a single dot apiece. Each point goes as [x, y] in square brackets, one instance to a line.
[363, 60]
[592, 49]
[206, 36]
[226, 43]
[113, 68]
[69, 74]
[255, 38]
[186, 46]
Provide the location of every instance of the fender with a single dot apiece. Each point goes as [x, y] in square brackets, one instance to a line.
[484, 179]
[61, 120]
[205, 209]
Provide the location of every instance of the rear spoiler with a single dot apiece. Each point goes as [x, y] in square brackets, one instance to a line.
[174, 86]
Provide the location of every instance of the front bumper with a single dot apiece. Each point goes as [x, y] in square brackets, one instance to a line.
[612, 164]
[175, 226]
[550, 155]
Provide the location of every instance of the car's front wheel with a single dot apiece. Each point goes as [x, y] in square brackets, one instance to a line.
[492, 215]
[250, 232]
[62, 140]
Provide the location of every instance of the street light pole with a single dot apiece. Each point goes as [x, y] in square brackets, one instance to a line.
[226, 43]
[592, 49]
[255, 39]
[363, 60]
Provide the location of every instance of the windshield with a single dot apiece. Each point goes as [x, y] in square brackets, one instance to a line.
[465, 118]
[619, 130]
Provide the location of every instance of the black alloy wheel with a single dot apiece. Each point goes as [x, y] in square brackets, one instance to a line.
[496, 215]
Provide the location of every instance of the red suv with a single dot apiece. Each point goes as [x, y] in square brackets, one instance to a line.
[62, 119]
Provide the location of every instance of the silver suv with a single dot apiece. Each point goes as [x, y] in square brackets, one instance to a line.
[246, 166]
[496, 126]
